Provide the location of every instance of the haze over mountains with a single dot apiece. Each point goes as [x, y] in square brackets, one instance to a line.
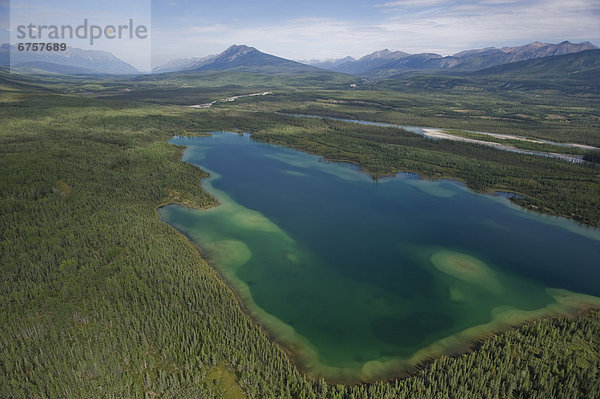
[239, 58]
[73, 61]
[386, 63]
[379, 65]
[583, 66]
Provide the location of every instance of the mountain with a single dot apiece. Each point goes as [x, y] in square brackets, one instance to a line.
[583, 65]
[537, 49]
[248, 59]
[385, 63]
[329, 63]
[238, 58]
[370, 62]
[72, 61]
[489, 57]
[569, 74]
[36, 67]
[182, 64]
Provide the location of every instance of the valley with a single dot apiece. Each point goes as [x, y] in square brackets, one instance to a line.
[320, 235]
[291, 230]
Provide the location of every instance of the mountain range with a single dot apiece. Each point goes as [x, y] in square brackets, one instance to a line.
[379, 65]
[73, 61]
[385, 63]
[577, 72]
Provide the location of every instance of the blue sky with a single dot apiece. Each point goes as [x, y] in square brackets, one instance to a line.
[102, 13]
[330, 29]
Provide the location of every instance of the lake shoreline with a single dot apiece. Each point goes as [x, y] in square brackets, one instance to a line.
[386, 376]
[380, 372]
[434, 133]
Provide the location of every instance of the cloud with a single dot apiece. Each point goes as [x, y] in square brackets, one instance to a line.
[98, 12]
[464, 25]
[453, 26]
[193, 30]
[500, 2]
[412, 3]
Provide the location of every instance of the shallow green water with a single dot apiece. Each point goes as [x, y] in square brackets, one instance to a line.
[363, 279]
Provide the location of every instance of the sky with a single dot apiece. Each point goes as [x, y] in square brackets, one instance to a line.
[74, 13]
[312, 29]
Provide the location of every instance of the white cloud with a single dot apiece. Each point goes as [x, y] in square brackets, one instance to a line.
[135, 52]
[207, 29]
[455, 27]
[412, 3]
[460, 27]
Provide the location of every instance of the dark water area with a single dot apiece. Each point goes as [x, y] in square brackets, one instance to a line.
[363, 279]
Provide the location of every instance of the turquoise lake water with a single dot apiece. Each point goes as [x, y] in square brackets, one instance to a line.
[361, 279]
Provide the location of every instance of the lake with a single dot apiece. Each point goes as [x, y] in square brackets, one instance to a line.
[361, 279]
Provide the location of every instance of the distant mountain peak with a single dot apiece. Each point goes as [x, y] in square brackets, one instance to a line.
[239, 47]
[182, 64]
[72, 61]
[238, 50]
[384, 63]
[384, 54]
[540, 44]
[249, 59]
[379, 64]
[328, 63]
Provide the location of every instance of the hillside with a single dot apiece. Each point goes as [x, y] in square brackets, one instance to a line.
[385, 63]
[573, 74]
[584, 65]
[239, 58]
[73, 61]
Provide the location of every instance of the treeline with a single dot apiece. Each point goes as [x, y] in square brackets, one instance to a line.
[544, 184]
[592, 156]
[537, 115]
[99, 299]
[517, 143]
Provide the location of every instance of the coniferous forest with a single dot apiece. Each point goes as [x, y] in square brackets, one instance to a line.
[100, 299]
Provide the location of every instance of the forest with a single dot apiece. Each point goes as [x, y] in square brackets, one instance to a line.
[99, 298]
